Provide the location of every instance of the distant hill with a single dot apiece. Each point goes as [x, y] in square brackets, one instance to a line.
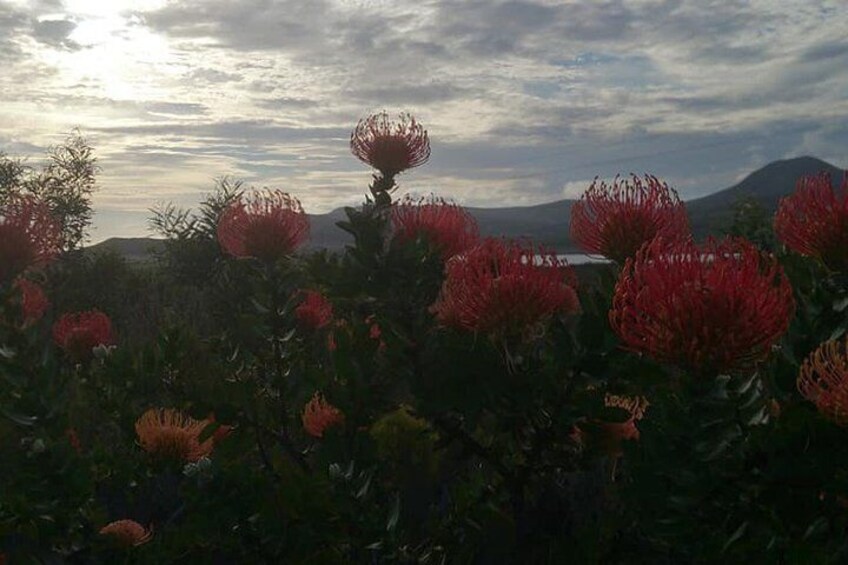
[548, 223]
[708, 215]
[132, 248]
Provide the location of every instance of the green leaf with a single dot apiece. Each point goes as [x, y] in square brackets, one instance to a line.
[819, 526]
[752, 399]
[740, 531]
[346, 226]
[259, 307]
[19, 419]
[365, 487]
[395, 515]
[840, 304]
[838, 332]
[746, 385]
[759, 418]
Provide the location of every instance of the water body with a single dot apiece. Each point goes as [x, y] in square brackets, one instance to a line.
[582, 258]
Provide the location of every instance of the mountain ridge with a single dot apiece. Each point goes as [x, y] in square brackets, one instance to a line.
[548, 223]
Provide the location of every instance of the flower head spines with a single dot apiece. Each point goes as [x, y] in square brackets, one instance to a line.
[710, 309]
[319, 415]
[390, 146]
[615, 220]
[813, 221]
[499, 288]
[267, 225]
[30, 236]
[79, 333]
[448, 227]
[170, 434]
[127, 533]
[823, 380]
[633, 405]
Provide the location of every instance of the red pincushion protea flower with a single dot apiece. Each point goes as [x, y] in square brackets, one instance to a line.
[389, 146]
[318, 415]
[34, 302]
[616, 220]
[127, 533]
[268, 226]
[315, 311]
[814, 220]
[77, 334]
[824, 380]
[712, 309]
[448, 227]
[501, 289]
[170, 434]
[29, 236]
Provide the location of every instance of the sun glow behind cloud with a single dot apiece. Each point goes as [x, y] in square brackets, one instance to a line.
[117, 60]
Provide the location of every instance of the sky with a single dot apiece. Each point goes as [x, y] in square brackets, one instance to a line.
[525, 101]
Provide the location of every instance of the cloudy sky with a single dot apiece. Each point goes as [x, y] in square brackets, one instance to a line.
[525, 100]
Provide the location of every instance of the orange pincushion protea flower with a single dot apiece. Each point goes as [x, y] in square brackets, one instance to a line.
[607, 437]
[635, 405]
[389, 146]
[29, 236]
[170, 434]
[268, 225]
[716, 308]
[814, 220]
[79, 333]
[616, 220]
[499, 288]
[318, 415]
[824, 380]
[446, 226]
[127, 533]
[315, 311]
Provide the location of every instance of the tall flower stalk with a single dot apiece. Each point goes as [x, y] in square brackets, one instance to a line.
[391, 147]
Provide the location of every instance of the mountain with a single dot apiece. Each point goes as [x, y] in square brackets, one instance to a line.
[548, 223]
[708, 215]
[132, 248]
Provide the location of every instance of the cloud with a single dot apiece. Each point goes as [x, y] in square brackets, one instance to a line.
[409, 94]
[55, 33]
[285, 102]
[175, 108]
[211, 76]
[524, 99]
[12, 22]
